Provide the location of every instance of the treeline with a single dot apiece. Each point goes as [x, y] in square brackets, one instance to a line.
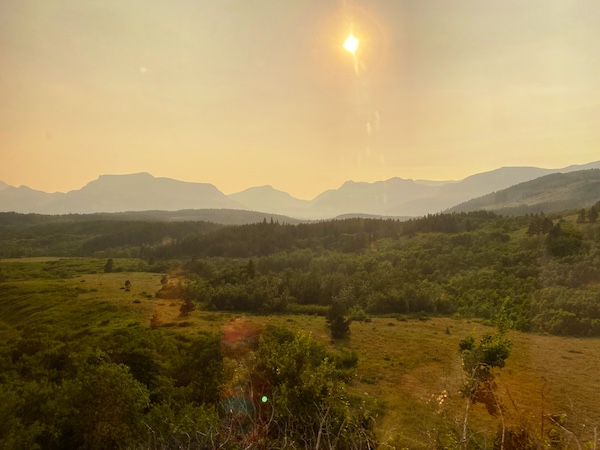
[346, 236]
[139, 388]
[26, 235]
[546, 282]
[23, 235]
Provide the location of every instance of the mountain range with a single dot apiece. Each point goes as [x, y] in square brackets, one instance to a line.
[118, 193]
[396, 197]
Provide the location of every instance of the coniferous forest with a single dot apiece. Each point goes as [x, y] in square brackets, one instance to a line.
[120, 333]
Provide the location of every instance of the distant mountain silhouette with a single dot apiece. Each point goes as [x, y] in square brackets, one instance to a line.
[395, 197]
[399, 197]
[26, 200]
[380, 198]
[116, 193]
[550, 193]
[268, 199]
[434, 182]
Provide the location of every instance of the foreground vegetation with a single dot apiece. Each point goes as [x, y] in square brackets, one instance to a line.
[82, 347]
[220, 337]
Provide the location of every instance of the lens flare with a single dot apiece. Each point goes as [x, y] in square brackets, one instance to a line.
[351, 43]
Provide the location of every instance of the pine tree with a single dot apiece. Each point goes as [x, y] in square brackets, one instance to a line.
[338, 324]
[108, 267]
[155, 320]
[593, 215]
[250, 269]
[187, 307]
[546, 225]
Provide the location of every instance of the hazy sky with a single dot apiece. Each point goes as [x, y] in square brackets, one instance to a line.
[240, 93]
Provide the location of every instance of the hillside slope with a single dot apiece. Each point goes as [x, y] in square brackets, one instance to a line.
[550, 193]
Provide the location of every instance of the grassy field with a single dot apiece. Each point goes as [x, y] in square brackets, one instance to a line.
[404, 365]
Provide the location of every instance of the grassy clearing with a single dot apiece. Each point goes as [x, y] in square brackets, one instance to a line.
[60, 268]
[55, 293]
[553, 373]
[403, 364]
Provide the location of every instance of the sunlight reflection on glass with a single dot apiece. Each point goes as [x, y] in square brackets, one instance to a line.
[351, 43]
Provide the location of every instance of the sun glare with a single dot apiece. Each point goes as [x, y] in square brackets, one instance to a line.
[351, 43]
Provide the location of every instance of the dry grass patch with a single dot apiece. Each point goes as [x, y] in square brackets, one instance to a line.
[555, 375]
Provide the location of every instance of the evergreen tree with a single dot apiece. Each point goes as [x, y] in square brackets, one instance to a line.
[187, 307]
[109, 266]
[534, 227]
[593, 215]
[250, 269]
[336, 320]
[546, 225]
[563, 243]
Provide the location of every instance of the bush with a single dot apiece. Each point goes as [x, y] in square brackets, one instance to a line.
[357, 314]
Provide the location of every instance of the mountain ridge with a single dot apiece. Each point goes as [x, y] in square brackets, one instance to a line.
[394, 197]
[549, 193]
[119, 193]
[255, 198]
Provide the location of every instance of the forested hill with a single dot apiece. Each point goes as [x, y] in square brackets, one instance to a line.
[25, 235]
[220, 216]
[549, 193]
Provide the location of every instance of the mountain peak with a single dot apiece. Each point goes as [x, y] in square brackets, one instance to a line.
[128, 192]
[127, 175]
[118, 178]
[393, 180]
[354, 184]
[268, 199]
[264, 188]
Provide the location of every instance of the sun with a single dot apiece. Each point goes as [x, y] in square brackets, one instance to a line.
[351, 43]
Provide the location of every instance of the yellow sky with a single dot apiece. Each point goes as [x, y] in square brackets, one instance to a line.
[240, 93]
